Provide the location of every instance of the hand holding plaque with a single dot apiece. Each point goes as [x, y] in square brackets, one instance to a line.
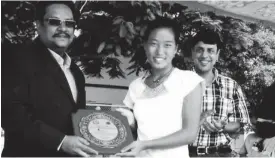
[77, 146]
[107, 131]
[133, 149]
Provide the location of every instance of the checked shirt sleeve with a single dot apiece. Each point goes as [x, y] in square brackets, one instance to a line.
[240, 111]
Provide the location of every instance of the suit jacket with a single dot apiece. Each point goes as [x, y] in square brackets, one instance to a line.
[37, 102]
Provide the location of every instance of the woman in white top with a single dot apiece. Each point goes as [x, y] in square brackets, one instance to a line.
[166, 102]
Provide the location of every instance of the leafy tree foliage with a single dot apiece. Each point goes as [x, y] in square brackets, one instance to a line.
[110, 30]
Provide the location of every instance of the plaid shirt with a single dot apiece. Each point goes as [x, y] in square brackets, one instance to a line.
[226, 98]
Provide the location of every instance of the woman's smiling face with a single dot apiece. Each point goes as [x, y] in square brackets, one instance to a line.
[161, 48]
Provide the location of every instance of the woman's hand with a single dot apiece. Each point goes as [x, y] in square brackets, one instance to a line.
[133, 149]
[128, 114]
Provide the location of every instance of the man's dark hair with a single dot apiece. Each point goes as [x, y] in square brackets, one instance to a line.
[207, 37]
[163, 22]
[42, 5]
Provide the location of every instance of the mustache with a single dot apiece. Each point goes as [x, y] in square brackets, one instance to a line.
[62, 34]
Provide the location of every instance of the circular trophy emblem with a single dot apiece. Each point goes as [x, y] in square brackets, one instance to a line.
[103, 130]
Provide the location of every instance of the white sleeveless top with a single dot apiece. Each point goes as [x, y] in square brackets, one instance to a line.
[161, 115]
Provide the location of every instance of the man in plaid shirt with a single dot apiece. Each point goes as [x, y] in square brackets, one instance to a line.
[224, 110]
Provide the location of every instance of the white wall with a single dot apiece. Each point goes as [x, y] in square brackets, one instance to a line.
[108, 95]
[105, 95]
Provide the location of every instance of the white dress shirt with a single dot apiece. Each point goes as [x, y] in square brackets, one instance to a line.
[65, 66]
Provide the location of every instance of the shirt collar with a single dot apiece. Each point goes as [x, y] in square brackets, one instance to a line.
[62, 62]
[216, 75]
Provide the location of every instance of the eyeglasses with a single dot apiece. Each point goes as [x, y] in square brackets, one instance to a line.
[58, 22]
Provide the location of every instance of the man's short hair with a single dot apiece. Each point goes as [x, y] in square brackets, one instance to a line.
[208, 37]
[42, 5]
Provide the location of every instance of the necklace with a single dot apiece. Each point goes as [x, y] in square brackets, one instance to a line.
[157, 81]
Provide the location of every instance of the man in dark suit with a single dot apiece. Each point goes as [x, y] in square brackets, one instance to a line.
[42, 88]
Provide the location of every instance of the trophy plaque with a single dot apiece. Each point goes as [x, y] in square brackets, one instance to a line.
[107, 131]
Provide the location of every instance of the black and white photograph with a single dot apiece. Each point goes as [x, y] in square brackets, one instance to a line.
[152, 79]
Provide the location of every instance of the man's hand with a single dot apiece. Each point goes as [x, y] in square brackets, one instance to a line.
[210, 127]
[205, 115]
[205, 121]
[128, 114]
[210, 124]
[77, 146]
[214, 125]
[219, 123]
